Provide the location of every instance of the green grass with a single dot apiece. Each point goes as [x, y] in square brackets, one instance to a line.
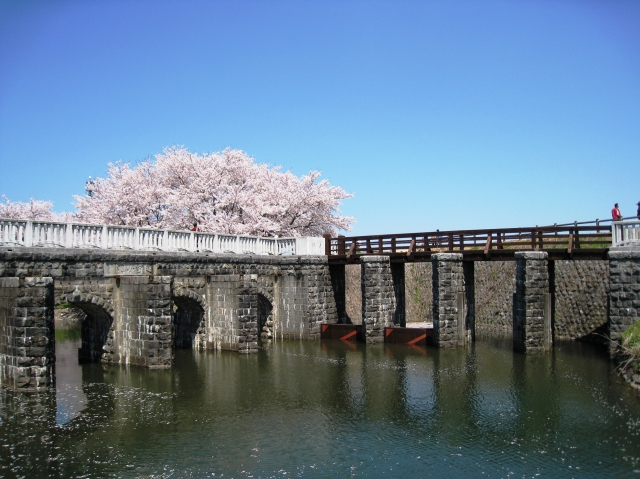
[631, 346]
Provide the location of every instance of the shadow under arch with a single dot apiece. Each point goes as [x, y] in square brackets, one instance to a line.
[188, 318]
[95, 327]
[265, 317]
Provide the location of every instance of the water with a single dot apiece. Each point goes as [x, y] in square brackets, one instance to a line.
[318, 410]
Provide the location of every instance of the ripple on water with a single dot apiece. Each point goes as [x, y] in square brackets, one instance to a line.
[331, 410]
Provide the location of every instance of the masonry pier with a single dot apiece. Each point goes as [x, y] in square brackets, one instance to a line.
[624, 294]
[382, 296]
[532, 303]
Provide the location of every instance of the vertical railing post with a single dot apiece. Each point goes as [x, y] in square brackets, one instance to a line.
[68, 235]
[28, 233]
[136, 238]
[105, 237]
[341, 246]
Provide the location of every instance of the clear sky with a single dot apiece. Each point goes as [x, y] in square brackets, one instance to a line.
[435, 114]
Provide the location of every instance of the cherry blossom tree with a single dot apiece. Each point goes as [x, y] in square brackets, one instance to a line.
[225, 192]
[33, 210]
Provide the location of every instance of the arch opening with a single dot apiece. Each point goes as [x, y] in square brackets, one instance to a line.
[94, 331]
[265, 318]
[187, 319]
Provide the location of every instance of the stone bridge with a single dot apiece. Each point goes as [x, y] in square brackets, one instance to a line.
[142, 304]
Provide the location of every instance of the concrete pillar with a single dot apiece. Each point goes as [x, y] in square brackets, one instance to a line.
[337, 273]
[532, 303]
[453, 321]
[624, 294]
[378, 297]
[27, 335]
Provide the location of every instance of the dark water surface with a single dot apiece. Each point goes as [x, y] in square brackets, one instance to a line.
[310, 409]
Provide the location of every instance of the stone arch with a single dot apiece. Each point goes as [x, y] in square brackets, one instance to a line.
[188, 318]
[96, 328]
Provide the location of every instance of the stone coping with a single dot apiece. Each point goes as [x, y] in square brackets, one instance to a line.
[623, 253]
[100, 255]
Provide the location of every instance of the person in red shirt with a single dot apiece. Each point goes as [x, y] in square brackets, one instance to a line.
[615, 213]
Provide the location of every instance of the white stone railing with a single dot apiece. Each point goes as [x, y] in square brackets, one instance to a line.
[49, 234]
[625, 233]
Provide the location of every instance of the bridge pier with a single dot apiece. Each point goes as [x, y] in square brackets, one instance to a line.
[27, 340]
[624, 295]
[532, 306]
[142, 329]
[382, 296]
[453, 300]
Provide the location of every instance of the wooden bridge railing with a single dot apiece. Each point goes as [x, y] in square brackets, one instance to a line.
[565, 241]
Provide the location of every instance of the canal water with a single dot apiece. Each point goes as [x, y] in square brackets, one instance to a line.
[329, 409]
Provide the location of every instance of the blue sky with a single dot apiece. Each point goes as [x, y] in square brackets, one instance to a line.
[436, 115]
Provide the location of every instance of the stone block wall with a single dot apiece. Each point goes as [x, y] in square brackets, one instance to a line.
[378, 297]
[247, 313]
[624, 294]
[581, 289]
[495, 283]
[531, 303]
[448, 300]
[306, 300]
[143, 326]
[27, 339]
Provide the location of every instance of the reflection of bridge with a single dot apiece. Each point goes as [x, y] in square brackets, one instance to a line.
[144, 299]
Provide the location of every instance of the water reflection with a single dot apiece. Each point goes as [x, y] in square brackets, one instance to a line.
[330, 409]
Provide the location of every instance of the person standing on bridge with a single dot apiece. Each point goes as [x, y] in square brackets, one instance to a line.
[615, 213]
[638, 212]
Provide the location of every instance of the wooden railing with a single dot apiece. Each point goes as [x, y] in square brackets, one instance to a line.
[586, 240]
[25, 233]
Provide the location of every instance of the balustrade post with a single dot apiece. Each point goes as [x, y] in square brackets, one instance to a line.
[136, 239]
[28, 233]
[105, 237]
[68, 235]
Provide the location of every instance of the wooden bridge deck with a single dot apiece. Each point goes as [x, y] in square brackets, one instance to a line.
[575, 242]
